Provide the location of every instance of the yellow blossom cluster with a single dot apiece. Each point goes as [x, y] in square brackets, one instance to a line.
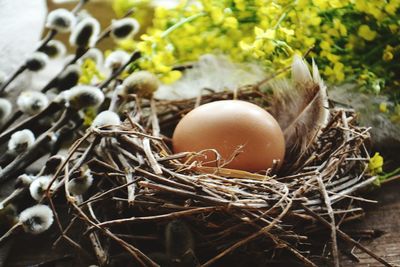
[89, 71]
[349, 36]
[375, 164]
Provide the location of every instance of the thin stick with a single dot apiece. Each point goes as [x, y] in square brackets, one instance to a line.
[10, 232]
[20, 70]
[324, 194]
[134, 56]
[295, 252]
[129, 179]
[17, 192]
[154, 119]
[149, 154]
[169, 216]
[101, 255]
[74, 147]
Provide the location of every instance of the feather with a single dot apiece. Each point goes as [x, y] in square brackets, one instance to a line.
[300, 106]
[215, 72]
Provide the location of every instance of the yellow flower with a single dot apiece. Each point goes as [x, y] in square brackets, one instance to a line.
[338, 70]
[383, 107]
[337, 24]
[393, 28]
[171, 77]
[145, 46]
[322, 4]
[127, 45]
[387, 56]
[230, 22]
[325, 46]
[217, 15]
[261, 34]
[332, 58]
[375, 164]
[240, 4]
[89, 71]
[337, 3]
[361, 5]
[366, 33]
[315, 20]
[388, 53]
[286, 31]
[245, 46]
[392, 7]
[89, 115]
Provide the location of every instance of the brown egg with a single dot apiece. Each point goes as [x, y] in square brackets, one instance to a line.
[231, 126]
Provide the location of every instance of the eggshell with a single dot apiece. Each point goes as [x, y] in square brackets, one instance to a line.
[227, 126]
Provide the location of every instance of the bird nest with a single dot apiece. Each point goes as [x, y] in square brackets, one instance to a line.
[147, 206]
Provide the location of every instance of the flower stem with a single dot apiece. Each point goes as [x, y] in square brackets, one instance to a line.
[4, 85]
[180, 23]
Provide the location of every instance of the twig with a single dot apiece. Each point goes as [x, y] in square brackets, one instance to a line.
[169, 216]
[17, 192]
[129, 179]
[324, 194]
[10, 232]
[134, 56]
[154, 120]
[149, 154]
[101, 255]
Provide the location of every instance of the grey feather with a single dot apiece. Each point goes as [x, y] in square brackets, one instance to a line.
[300, 106]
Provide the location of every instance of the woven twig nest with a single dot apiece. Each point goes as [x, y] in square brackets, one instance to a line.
[145, 205]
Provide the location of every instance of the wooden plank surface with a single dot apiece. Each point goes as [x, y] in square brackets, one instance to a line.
[384, 216]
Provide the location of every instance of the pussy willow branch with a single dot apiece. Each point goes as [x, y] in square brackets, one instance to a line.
[10, 232]
[31, 154]
[50, 36]
[63, 165]
[62, 231]
[80, 52]
[134, 56]
[51, 109]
